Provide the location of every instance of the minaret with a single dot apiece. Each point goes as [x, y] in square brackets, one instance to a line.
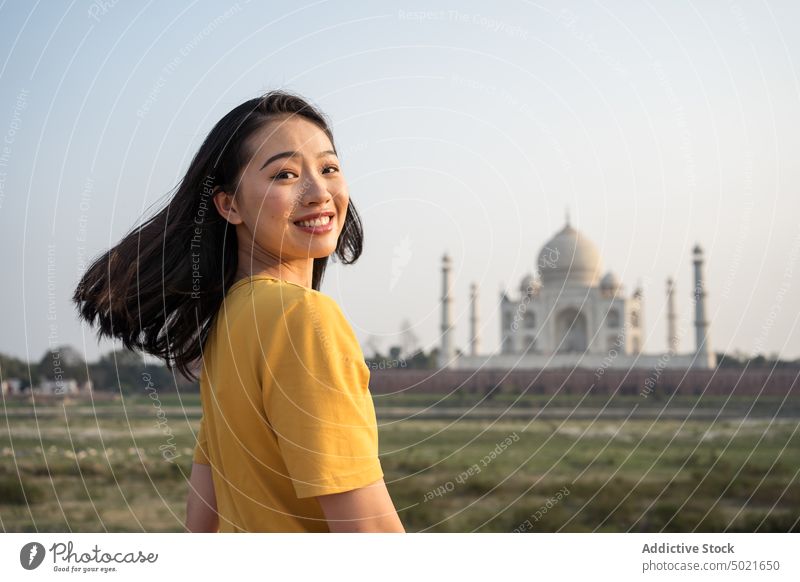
[638, 295]
[638, 336]
[505, 345]
[473, 320]
[704, 356]
[446, 353]
[672, 334]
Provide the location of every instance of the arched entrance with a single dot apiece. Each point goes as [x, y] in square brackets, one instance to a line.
[572, 331]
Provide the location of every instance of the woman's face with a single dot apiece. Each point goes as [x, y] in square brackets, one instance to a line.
[293, 173]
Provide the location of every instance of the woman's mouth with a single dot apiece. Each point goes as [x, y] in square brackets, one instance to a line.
[319, 225]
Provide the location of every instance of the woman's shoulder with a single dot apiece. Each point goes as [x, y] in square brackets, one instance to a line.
[293, 319]
[292, 302]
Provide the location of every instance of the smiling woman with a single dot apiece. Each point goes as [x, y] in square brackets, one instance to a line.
[288, 440]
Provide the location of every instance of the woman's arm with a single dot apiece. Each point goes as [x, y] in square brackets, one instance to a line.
[368, 509]
[201, 503]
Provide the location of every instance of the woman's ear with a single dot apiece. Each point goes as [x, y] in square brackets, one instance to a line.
[227, 206]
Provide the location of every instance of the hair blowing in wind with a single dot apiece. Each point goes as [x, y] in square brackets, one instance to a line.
[146, 292]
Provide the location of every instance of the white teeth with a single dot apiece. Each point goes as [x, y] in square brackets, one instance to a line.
[316, 222]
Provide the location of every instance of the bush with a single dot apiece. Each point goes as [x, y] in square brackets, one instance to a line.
[773, 523]
[13, 491]
[666, 517]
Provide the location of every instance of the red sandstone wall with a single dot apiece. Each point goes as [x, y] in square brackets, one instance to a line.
[751, 382]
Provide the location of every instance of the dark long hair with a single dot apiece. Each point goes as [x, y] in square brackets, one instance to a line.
[160, 287]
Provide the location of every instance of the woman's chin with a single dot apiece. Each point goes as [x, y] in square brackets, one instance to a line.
[318, 250]
[314, 246]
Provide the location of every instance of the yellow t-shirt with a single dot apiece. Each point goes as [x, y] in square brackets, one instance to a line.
[287, 412]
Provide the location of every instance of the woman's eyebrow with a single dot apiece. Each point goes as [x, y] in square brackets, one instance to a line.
[292, 155]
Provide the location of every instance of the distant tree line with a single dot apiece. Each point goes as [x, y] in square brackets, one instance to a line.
[417, 360]
[125, 371]
[120, 370]
[742, 360]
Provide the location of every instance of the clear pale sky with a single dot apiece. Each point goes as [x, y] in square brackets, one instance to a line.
[466, 127]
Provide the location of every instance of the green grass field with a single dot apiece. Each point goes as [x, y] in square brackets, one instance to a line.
[532, 465]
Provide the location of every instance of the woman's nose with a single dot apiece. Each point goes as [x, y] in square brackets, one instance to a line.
[315, 188]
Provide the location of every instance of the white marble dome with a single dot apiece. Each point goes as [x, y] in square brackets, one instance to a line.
[570, 258]
[610, 282]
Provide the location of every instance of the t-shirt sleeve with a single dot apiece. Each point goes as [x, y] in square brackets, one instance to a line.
[200, 450]
[317, 401]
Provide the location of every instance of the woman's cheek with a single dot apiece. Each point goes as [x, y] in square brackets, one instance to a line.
[276, 209]
[273, 221]
[272, 235]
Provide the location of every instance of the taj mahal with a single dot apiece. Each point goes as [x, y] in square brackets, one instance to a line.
[571, 314]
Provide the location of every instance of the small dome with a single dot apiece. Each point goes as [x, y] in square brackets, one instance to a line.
[529, 284]
[571, 258]
[610, 282]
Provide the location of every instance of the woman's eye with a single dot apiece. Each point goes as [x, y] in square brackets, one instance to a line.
[334, 168]
[285, 175]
